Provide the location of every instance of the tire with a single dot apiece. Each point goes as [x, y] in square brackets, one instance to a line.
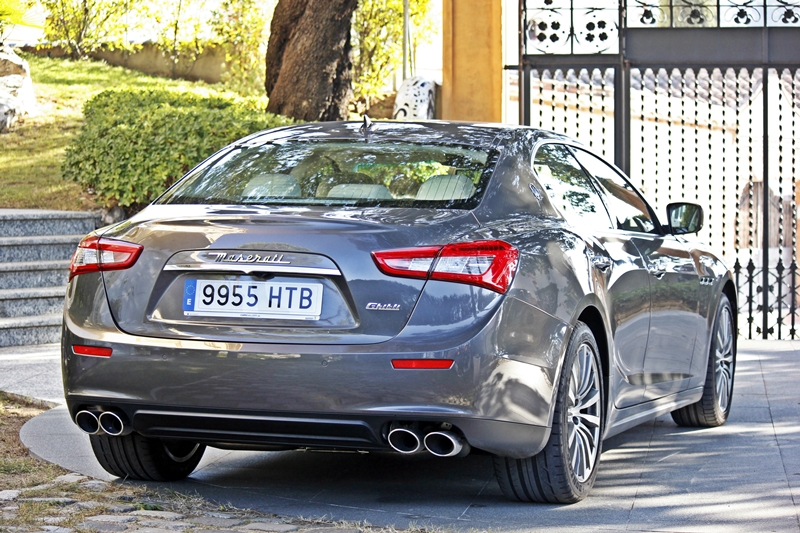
[560, 473]
[714, 406]
[136, 457]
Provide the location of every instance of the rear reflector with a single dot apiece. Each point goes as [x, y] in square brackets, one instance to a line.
[423, 364]
[487, 264]
[98, 254]
[92, 351]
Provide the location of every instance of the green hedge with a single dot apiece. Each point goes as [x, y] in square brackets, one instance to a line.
[136, 143]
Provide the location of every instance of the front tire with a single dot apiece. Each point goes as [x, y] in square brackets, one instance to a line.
[565, 470]
[714, 406]
[136, 457]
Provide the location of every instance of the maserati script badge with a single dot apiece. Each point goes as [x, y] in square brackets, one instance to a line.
[222, 257]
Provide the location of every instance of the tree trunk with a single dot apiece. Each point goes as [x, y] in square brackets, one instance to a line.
[309, 66]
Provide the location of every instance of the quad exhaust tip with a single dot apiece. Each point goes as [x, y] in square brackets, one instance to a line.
[446, 444]
[113, 424]
[108, 422]
[404, 441]
[438, 443]
[87, 422]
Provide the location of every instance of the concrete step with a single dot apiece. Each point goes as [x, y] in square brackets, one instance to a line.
[38, 248]
[31, 302]
[34, 222]
[21, 331]
[23, 275]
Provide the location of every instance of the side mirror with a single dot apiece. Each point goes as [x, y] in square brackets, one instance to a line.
[684, 218]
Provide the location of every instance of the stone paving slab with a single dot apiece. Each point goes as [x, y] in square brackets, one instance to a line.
[742, 477]
[33, 371]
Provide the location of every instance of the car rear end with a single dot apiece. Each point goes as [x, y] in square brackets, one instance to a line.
[333, 293]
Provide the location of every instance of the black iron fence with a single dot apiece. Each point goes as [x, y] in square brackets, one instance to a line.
[709, 117]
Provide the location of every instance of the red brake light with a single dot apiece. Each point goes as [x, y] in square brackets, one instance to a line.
[98, 254]
[488, 264]
[407, 262]
[422, 364]
[92, 351]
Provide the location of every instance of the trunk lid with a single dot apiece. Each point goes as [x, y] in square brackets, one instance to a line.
[285, 275]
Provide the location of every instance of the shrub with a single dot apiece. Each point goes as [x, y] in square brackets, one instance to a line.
[136, 143]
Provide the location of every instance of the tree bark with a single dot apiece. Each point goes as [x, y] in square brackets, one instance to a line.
[309, 65]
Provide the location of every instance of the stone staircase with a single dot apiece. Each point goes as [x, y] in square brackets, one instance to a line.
[35, 250]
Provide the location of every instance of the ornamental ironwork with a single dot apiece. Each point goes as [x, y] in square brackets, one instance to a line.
[593, 27]
[572, 27]
[712, 13]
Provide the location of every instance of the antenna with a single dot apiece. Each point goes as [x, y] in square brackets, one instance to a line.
[366, 128]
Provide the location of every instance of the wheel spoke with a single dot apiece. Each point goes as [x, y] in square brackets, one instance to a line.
[589, 448]
[590, 420]
[591, 397]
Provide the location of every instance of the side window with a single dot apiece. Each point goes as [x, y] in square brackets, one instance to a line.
[628, 209]
[569, 188]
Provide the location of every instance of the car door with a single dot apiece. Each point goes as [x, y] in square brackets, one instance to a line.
[674, 282]
[621, 268]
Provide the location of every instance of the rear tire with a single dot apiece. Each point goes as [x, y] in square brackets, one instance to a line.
[565, 470]
[714, 406]
[136, 457]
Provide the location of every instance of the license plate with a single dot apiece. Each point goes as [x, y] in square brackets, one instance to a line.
[255, 299]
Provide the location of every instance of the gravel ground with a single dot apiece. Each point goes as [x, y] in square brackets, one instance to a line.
[36, 496]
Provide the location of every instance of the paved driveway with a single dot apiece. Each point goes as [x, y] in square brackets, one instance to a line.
[744, 476]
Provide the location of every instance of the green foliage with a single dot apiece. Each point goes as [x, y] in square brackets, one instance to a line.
[377, 35]
[31, 155]
[135, 143]
[180, 26]
[12, 12]
[83, 26]
[181, 29]
[239, 29]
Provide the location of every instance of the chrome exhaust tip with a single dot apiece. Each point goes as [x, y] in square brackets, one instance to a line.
[404, 441]
[113, 424]
[87, 422]
[446, 444]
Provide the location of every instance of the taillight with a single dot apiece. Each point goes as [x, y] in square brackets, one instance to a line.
[407, 262]
[488, 264]
[98, 254]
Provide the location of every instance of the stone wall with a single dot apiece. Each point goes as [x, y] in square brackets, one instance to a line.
[209, 67]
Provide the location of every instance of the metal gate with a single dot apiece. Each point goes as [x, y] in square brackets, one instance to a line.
[696, 100]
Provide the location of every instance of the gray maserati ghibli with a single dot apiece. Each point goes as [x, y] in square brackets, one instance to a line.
[414, 288]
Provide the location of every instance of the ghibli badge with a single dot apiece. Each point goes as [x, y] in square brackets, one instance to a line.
[373, 306]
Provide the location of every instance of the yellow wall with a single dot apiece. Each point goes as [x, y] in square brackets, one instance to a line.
[472, 87]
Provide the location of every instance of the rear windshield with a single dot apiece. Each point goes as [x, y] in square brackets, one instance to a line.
[340, 173]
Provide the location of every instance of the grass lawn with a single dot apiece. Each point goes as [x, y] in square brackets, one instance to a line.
[31, 154]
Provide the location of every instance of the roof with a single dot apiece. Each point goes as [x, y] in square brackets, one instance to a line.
[479, 135]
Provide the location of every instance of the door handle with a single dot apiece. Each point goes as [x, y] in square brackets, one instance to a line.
[601, 263]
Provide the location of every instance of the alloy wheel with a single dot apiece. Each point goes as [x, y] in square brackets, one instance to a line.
[723, 358]
[583, 413]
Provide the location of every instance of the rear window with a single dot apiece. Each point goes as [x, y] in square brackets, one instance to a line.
[340, 173]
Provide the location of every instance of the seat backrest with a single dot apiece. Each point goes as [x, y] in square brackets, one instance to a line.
[272, 185]
[446, 187]
[360, 191]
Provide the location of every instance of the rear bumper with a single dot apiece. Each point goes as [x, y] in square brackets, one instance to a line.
[236, 429]
[256, 395]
